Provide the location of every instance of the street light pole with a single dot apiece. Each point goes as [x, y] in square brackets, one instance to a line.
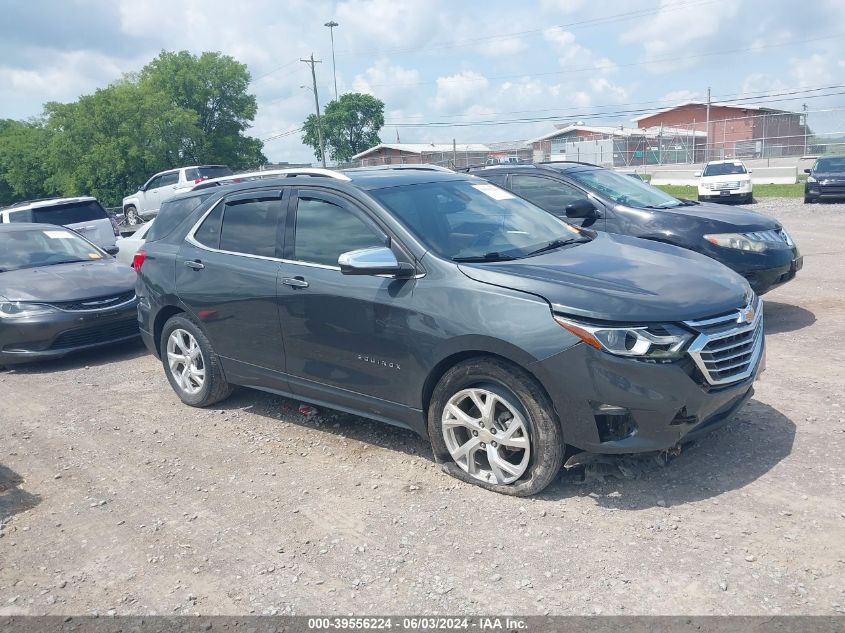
[311, 63]
[331, 24]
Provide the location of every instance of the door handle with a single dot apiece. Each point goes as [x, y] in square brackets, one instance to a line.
[195, 264]
[295, 282]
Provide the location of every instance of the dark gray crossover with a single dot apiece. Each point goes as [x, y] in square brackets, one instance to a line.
[59, 293]
[442, 303]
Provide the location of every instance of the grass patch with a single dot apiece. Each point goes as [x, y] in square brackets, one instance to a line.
[760, 191]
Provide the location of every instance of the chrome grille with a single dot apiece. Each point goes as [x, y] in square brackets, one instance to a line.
[719, 186]
[728, 347]
[95, 303]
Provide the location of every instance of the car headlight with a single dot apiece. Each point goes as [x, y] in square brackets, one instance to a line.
[737, 241]
[22, 310]
[811, 179]
[654, 342]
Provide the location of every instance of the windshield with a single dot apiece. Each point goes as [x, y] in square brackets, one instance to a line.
[64, 214]
[724, 169]
[836, 163]
[623, 189]
[463, 219]
[33, 248]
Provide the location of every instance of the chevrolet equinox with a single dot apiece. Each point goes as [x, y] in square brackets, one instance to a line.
[441, 303]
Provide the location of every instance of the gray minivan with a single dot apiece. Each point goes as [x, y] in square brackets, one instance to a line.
[84, 214]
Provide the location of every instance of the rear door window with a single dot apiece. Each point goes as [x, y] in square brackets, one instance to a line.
[64, 214]
[546, 193]
[169, 179]
[250, 225]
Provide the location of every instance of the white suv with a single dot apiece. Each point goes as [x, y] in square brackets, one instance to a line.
[725, 180]
[144, 204]
[84, 215]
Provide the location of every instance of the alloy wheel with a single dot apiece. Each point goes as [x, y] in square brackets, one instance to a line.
[486, 436]
[184, 357]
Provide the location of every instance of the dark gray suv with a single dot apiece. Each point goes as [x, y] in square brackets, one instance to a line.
[442, 303]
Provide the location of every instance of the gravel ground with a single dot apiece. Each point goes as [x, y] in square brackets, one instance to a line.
[114, 497]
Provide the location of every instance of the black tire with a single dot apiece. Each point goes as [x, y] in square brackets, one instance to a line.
[808, 200]
[132, 216]
[214, 387]
[522, 391]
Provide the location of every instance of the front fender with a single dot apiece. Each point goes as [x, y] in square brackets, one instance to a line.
[134, 200]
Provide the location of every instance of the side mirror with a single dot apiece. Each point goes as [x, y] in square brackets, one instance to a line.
[581, 208]
[112, 250]
[697, 174]
[808, 171]
[378, 260]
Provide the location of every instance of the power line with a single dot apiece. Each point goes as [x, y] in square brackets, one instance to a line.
[279, 135]
[447, 124]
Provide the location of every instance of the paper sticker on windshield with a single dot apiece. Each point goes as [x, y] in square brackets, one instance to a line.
[59, 235]
[494, 192]
[94, 256]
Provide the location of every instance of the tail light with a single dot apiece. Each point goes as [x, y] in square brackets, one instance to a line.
[138, 260]
[200, 179]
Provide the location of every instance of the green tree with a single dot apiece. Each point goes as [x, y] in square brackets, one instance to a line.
[350, 125]
[215, 87]
[107, 143]
[23, 157]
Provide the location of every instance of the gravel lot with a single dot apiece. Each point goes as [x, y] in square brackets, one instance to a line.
[114, 497]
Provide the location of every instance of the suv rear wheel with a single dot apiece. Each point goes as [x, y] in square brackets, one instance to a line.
[191, 365]
[491, 424]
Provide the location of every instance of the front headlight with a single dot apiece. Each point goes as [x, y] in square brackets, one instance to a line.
[811, 179]
[656, 342]
[22, 310]
[736, 240]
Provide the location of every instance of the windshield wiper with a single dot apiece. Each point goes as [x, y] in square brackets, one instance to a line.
[557, 244]
[487, 257]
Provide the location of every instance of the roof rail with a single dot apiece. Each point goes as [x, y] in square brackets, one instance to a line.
[416, 166]
[574, 162]
[270, 173]
[23, 203]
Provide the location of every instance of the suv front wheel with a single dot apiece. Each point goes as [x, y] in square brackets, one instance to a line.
[491, 424]
[191, 365]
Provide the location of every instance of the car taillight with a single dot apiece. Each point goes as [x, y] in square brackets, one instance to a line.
[138, 260]
[200, 179]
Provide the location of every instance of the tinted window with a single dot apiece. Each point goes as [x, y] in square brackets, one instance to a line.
[547, 194]
[43, 247]
[168, 179]
[171, 214]
[498, 179]
[155, 183]
[205, 173]
[724, 169]
[623, 189]
[71, 213]
[324, 231]
[208, 234]
[249, 227]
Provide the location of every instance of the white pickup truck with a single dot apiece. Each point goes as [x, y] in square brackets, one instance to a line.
[144, 203]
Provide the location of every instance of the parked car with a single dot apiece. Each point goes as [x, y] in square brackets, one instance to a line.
[60, 293]
[438, 302]
[145, 203]
[84, 215]
[129, 245]
[826, 179]
[725, 181]
[754, 245]
[504, 160]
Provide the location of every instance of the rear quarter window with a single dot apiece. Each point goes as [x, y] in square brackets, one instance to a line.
[206, 173]
[171, 214]
[63, 214]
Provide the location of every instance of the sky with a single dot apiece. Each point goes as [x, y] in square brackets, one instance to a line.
[442, 67]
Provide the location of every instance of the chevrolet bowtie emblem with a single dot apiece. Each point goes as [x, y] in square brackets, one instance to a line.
[746, 315]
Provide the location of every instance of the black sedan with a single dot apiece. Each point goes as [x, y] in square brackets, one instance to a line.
[60, 293]
[752, 244]
[826, 179]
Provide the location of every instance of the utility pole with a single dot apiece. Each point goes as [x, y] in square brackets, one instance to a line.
[331, 24]
[311, 61]
[707, 127]
[804, 107]
[454, 155]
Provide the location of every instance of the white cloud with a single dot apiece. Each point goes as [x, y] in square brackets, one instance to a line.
[455, 91]
[391, 83]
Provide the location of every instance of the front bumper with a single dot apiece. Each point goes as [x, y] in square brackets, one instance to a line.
[60, 333]
[664, 404]
[824, 189]
[732, 195]
[763, 271]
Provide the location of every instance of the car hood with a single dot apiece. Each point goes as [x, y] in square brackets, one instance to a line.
[829, 175]
[67, 282]
[724, 218]
[621, 278]
[726, 177]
